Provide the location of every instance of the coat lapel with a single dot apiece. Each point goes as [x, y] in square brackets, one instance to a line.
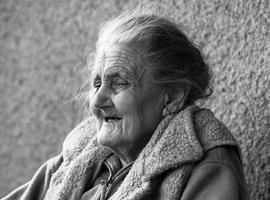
[179, 141]
[173, 144]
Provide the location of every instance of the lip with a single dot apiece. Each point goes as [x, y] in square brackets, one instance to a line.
[112, 119]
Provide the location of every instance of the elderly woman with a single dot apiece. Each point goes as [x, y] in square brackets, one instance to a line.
[149, 141]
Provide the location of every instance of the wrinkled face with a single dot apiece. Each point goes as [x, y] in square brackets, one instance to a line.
[127, 106]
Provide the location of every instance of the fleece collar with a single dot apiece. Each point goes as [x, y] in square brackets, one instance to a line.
[174, 134]
[178, 140]
[183, 138]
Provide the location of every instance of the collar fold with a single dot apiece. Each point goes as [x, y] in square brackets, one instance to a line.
[179, 140]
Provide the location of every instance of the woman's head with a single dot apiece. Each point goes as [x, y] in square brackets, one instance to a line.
[145, 68]
[172, 59]
[127, 106]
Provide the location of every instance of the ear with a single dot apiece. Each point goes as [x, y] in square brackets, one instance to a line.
[175, 100]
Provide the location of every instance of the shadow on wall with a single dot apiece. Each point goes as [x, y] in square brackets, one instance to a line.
[43, 46]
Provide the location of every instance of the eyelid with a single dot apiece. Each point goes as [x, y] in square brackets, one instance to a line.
[120, 81]
[115, 80]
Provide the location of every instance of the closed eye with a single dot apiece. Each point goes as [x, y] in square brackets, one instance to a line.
[120, 81]
[97, 84]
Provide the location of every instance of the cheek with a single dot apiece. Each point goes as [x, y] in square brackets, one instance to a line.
[126, 102]
[127, 105]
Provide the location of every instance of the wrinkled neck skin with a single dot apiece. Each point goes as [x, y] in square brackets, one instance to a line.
[129, 153]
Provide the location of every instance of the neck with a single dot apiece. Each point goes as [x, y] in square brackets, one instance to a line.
[128, 153]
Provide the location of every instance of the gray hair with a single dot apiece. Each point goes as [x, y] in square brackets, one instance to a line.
[172, 58]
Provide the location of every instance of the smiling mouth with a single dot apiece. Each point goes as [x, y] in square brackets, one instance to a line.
[112, 119]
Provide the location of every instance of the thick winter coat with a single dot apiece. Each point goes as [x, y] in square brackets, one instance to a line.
[195, 152]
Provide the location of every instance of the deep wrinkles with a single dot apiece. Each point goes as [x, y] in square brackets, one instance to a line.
[123, 58]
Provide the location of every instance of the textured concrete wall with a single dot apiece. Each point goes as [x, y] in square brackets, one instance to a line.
[42, 55]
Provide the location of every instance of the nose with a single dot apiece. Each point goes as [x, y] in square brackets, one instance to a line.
[101, 99]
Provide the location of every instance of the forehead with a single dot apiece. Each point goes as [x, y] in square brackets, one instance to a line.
[118, 58]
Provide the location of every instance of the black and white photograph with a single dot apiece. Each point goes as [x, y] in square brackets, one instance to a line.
[134, 100]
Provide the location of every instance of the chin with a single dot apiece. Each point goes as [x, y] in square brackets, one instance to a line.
[107, 139]
[103, 139]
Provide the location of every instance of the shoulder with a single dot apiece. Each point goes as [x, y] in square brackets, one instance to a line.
[225, 159]
[226, 155]
[219, 175]
[38, 185]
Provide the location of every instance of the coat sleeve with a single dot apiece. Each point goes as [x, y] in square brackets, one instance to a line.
[213, 181]
[36, 188]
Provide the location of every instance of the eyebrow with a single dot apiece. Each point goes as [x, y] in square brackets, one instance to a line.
[111, 75]
[118, 70]
[114, 72]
